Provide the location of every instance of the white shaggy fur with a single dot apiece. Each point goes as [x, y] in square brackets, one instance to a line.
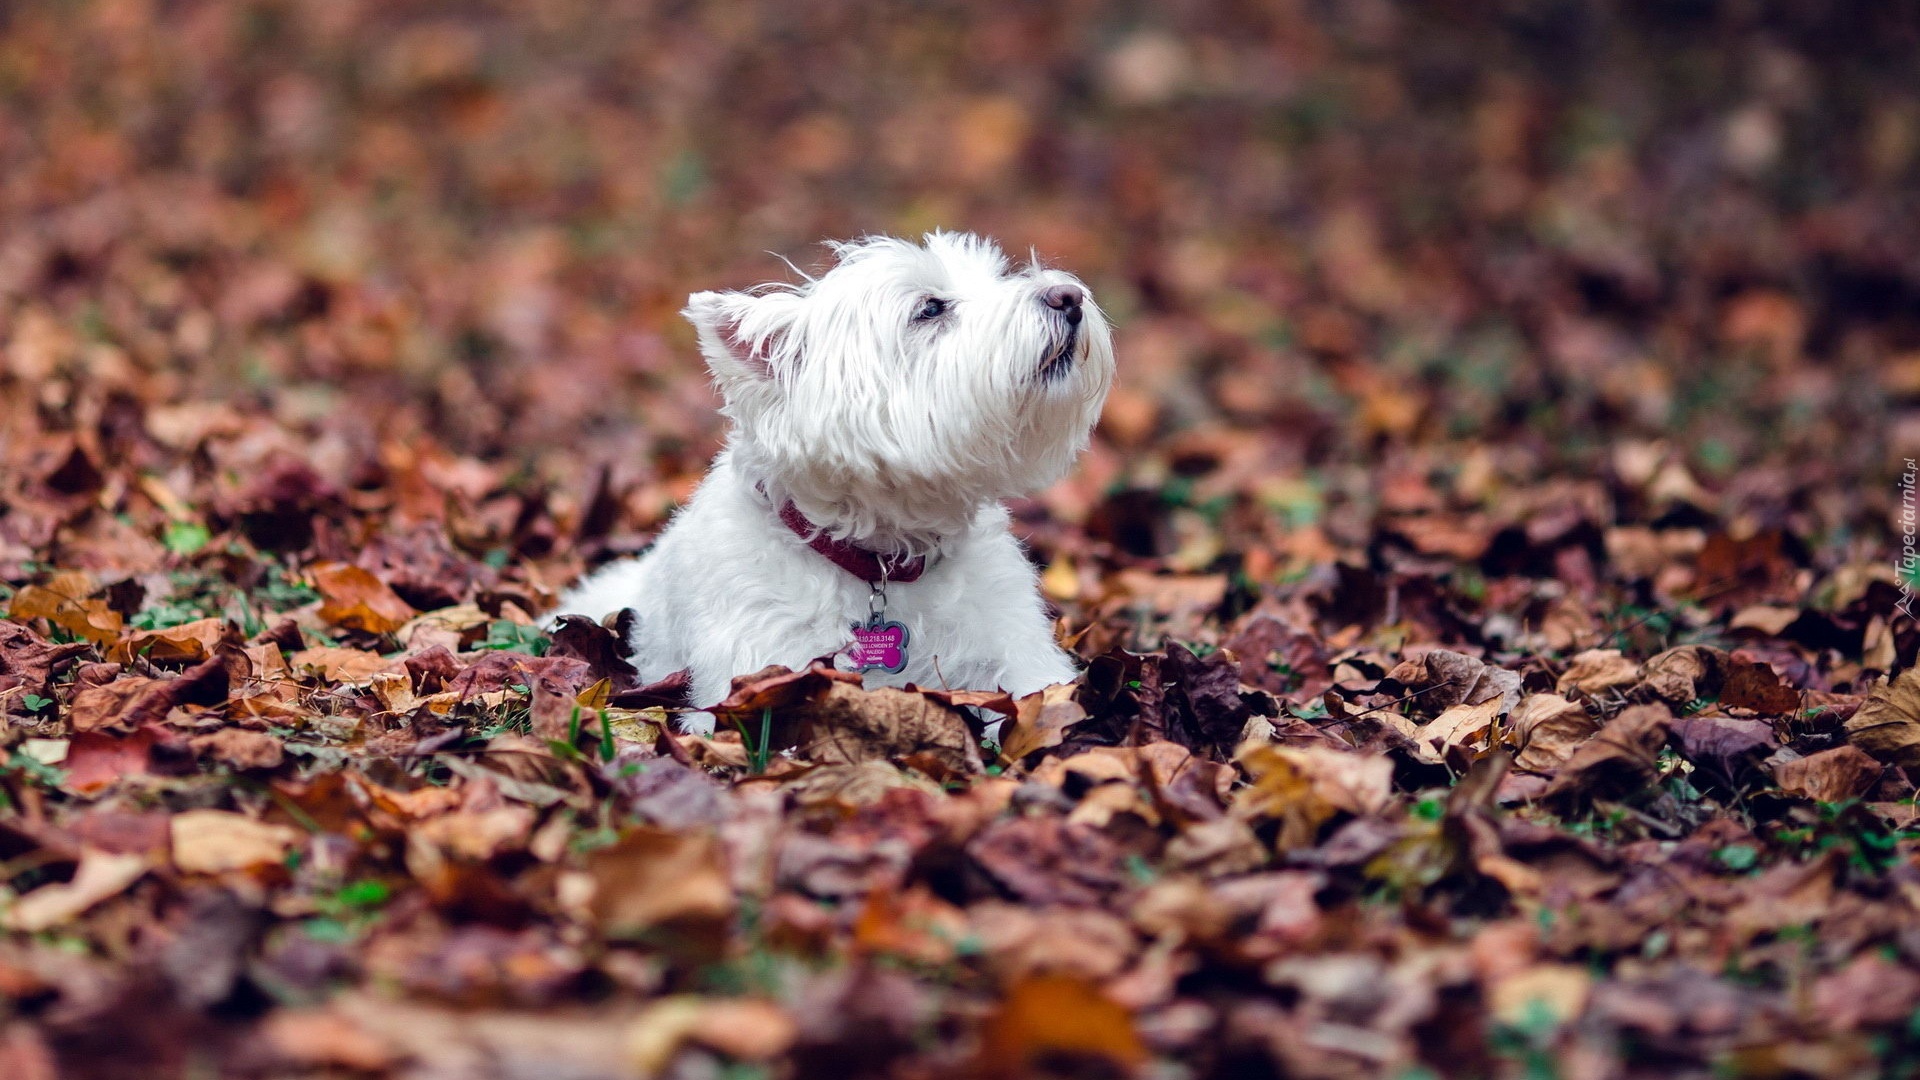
[895, 430]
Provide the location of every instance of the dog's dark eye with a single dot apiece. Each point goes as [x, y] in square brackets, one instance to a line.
[932, 309]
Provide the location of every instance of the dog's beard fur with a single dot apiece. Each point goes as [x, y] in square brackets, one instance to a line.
[892, 428]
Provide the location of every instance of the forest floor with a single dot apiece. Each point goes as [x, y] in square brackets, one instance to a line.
[1485, 572]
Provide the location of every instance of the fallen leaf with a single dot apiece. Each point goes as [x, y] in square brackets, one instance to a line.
[189, 642]
[1597, 671]
[218, 841]
[1444, 679]
[744, 1029]
[1836, 775]
[1042, 721]
[1304, 787]
[323, 1039]
[1757, 687]
[95, 760]
[1463, 726]
[1887, 724]
[65, 603]
[29, 662]
[651, 877]
[1547, 729]
[242, 749]
[355, 599]
[356, 667]
[129, 702]
[1724, 745]
[1621, 759]
[1870, 990]
[98, 877]
[1048, 1018]
[847, 725]
[1684, 674]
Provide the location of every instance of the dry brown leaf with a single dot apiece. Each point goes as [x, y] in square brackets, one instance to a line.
[355, 667]
[65, 606]
[1871, 990]
[1683, 674]
[100, 875]
[1597, 671]
[1041, 722]
[1547, 729]
[1172, 595]
[1757, 687]
[1303, 787]
[651, 877]
[853, 785]
[1444, 678]
[242, 749]
[1622, 758]
[1767, 619]
[1836, 775]
[126, 703]
[1887, 724]
[322, 1039]
[188, 642]
[1463, 726]
[218, 841]
[352, 597]
[848, 724]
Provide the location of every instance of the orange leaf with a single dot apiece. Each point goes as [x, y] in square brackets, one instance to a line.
[1050, 1016]
[64, 604]
[357, 600]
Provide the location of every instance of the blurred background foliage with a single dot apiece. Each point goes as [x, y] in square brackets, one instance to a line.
[1501, 237]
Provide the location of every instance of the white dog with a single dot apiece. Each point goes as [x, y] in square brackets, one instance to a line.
[881, 412]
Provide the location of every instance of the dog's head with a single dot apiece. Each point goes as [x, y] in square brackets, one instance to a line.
[893, 395]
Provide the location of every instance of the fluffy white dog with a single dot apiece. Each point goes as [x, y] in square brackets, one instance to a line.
[881, 412]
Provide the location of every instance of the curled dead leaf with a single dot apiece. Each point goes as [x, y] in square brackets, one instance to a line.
[65, 602]
[353, 598]
[1304, 787]
[1547, 729]
[1042, 721]
[1683, 674]
[1597, 671]
[1622, 758]
[1443, 679]
[189, 642]
[100, 875]
[355, 667]
[1887, 724]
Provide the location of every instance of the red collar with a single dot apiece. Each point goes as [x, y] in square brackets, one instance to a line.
[869, 566]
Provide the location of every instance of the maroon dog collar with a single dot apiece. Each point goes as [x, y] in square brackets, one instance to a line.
[869, 566]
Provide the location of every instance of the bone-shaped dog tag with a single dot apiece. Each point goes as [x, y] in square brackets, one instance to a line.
[878, 646]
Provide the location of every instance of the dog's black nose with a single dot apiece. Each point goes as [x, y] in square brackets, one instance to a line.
[1065, 299]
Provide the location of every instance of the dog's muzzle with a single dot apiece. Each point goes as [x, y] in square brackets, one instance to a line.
[1059, 360]
[1066, 302]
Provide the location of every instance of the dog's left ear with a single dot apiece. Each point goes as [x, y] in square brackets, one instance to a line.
[742, 336]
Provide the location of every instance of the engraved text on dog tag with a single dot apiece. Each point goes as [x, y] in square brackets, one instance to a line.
[878, 646]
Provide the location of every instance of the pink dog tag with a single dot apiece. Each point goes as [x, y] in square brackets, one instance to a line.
[878, 646]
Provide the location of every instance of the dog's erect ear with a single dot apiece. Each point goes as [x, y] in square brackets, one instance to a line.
[742, 336]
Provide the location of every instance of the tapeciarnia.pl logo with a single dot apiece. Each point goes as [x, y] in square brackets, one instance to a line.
[1907, 569]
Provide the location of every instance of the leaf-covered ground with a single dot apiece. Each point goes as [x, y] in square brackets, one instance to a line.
[1486, 568]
